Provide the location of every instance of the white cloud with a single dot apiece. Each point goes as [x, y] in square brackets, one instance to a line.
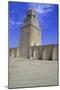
[18, 23]
[42, 8]
[12, 22]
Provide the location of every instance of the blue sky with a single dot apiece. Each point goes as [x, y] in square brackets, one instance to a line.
[47, 16]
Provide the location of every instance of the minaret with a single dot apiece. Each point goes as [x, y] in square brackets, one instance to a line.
[30, 33]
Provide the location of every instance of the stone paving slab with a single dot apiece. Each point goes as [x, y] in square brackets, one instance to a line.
[32, 73]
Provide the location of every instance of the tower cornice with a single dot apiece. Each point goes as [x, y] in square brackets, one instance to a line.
[30, 25]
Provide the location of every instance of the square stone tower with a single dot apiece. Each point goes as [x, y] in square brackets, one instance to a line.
[30, 33]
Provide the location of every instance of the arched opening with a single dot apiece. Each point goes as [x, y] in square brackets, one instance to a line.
[28, 15]
[50, 56]
[34, 15]
[15, 52]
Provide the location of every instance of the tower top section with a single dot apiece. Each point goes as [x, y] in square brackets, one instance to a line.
[31, 18]
[31, 13]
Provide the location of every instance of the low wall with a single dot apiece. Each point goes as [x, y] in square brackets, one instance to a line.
[14, 52]
[45, 52]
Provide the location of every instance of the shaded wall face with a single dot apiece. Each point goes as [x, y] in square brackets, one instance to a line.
[49, 52]
[25, 42]
[14, 52]
[36, 52]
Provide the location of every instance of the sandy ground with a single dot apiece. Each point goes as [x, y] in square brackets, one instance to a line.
[32, 73]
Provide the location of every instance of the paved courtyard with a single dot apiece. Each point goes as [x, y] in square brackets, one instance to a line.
[29, 73]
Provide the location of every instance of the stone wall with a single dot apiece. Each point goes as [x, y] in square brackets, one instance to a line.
[25, 42]
[14, 52]
[44, 52]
